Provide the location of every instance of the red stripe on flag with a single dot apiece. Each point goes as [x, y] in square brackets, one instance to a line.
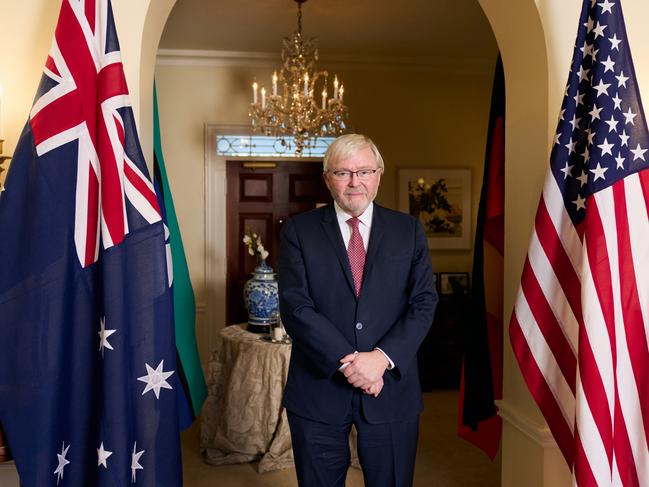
[90, 13]
[49, 64]
[560, 262]
[92, 217]
[141, 187]
[111, 81]
[622, 447]
[548, 325]
[636, 339]
[583, 473]
[74, 49]
[112, 195]
[538, 386]
[591, 376]
[54, 118]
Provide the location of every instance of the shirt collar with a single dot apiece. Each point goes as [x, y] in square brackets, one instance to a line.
[365, 217]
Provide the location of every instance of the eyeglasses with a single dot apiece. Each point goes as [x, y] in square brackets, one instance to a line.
[362, 174]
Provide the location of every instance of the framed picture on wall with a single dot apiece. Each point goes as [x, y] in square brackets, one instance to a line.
[441, 200]
[454, 283]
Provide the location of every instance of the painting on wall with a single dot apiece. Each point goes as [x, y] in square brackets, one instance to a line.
[441, 200]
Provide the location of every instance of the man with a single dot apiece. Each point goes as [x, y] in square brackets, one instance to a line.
[357, 296]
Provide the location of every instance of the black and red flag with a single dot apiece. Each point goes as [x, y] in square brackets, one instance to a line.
[481, 382]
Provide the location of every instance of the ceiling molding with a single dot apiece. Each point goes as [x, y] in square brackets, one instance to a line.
[250, 59]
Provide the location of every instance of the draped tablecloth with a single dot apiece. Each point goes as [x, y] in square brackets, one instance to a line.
[243, 419]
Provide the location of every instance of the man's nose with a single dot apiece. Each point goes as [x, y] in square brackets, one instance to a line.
[353, 179]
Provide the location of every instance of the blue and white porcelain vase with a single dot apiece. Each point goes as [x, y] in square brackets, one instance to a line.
[261, 298]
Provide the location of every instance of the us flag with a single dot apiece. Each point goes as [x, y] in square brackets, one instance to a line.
[88, 377]
[579, 327]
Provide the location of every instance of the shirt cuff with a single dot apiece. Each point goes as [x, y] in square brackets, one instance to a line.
[391, 366]
[344, 366]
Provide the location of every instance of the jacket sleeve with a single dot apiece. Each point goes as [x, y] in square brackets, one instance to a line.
[403, 339]
[317, 338]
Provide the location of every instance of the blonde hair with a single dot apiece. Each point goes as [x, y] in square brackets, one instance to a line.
[347, 145]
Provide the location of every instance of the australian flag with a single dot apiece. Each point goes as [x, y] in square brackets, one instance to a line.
[87, 353]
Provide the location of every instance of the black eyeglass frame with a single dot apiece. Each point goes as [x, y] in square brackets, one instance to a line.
[349, 174]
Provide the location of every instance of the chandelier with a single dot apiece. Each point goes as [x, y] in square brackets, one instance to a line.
[291, 108]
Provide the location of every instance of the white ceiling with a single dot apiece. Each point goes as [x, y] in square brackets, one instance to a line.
[437, 31]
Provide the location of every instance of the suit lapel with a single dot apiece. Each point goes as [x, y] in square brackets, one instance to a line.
[332, 230]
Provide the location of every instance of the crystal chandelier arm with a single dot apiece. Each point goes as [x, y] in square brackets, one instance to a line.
[292, 109]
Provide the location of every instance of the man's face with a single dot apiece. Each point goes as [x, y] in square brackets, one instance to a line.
[354, 194]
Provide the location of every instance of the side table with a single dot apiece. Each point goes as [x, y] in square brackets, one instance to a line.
[243, 419]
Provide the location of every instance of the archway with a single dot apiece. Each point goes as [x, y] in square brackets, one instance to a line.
[527, 446]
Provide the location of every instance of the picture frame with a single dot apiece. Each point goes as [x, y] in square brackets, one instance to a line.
[441, 200]
[454, 283]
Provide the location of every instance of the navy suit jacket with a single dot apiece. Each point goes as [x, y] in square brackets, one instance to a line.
[326, 321]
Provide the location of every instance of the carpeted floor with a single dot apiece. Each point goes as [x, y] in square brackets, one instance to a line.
[443, 459]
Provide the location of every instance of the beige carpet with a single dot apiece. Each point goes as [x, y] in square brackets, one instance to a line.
[443, 459]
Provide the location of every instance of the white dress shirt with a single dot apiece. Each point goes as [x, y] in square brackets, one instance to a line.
[364, 228]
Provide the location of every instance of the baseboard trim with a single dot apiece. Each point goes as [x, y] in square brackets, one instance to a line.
[539, 433]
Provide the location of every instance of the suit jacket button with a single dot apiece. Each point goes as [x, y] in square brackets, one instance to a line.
[359, 326]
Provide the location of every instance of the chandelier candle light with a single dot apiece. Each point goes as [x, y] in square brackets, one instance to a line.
[295, 112]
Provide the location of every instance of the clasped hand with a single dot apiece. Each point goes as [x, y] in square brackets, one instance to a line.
[365, 370]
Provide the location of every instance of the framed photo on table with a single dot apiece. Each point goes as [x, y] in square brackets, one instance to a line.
[441, 200]
[454, 283]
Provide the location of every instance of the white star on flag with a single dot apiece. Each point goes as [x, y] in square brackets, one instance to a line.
[612, 124]
[599, 171]
[571, 146]
[599, 30]
[135, 461]
[624, 138]
[156, 379]
[62, 462]
[590, 136]
[594, 113]
[103, 336]
[620, 161]
[606, 6]
[606, 147]
[638, 153]
[618, 102]
[615, 42]
[621, 79]
[102, 455]
[566, 171]
[608, 65]
[580, 202]
[629, 115]
[602, 88]
[583, 178]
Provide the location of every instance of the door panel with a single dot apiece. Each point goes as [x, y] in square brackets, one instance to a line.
[260, 197]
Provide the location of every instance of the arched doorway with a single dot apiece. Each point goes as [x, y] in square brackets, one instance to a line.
[519, 31]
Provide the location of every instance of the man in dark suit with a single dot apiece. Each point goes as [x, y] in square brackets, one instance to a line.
[357, 296]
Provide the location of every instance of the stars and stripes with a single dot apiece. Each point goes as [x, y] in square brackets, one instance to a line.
[580, 323]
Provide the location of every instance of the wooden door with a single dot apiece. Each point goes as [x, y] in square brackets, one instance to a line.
[260, 197]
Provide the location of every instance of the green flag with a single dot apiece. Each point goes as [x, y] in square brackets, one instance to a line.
[189, 365]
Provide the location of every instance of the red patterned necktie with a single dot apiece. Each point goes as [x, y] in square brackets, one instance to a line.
[356, 254]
